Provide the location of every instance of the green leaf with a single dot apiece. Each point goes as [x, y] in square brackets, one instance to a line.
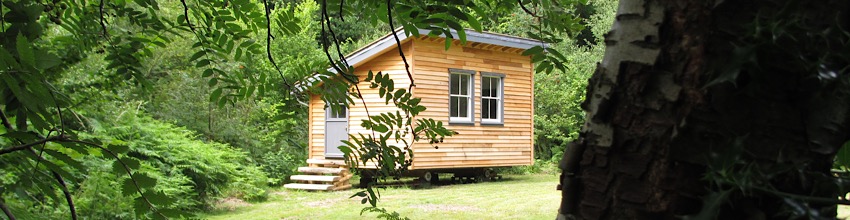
[462, 35]
[171, 213]
[238, 53]
[128, 188]
[141, 207]
[118, 169]
[25, 52]
[457, 13]
[66, 159]
[118, 148]
[131, 163]
[474, 23]
[381, 128]
[45, 60]
[399, 93]
[414, 101]
[419, 109]
[533, 50]
[216, 94]
[843, 156]
[157, 197]
[454, 25]
[207, 73]
[213, 82]
[143, 180]
[197, 55]
[448, 42]
[203, 63]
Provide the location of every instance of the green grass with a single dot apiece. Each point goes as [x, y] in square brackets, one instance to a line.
[515, 197]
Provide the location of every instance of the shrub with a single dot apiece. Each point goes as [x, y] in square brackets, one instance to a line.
[195, 172]
[280, 165]
[539, 167]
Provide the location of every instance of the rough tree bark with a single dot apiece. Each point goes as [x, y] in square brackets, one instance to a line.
[679, 92]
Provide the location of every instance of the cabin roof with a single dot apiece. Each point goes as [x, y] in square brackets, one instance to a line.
[386, 42]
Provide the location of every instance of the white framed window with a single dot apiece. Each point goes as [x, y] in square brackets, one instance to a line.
[461, 96]
[492, 98]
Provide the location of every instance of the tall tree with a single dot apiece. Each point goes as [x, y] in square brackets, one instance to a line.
[714, 109]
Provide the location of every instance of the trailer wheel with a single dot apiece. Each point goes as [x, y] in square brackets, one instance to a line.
[480, 177]
[429, 177]
[366, 177]
[490, 174]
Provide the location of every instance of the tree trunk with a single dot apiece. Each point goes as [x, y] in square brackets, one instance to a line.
[708, 108]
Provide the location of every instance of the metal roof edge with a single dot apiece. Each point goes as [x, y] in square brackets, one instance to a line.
[495, 39]
[387, 41]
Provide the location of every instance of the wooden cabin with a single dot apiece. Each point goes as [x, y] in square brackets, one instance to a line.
[483, 90]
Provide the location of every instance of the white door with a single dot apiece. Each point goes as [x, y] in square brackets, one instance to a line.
[336, 130]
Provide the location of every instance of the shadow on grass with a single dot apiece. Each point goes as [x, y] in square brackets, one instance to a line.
[414, 183]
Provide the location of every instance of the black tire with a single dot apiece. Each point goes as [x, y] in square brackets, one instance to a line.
[490, 174]
[428, 178]
[366, 177]
[435, 178]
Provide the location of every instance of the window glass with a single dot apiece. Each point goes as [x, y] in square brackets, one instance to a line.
[460, 97]
[340, 112]
[464, 84]
[491, 99]
[485, 87]
[455, 83]
[453, 106]
[463, 109]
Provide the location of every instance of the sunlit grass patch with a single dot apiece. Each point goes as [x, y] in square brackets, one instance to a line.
[515, 197]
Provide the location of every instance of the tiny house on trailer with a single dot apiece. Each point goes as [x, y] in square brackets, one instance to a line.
[483, 90]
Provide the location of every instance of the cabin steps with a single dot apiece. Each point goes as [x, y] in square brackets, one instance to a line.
[322, 175]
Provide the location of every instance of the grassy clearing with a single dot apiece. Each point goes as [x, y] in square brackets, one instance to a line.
[515, 197]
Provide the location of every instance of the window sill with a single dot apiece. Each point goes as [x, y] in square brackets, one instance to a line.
[495, 124]
[466, 123]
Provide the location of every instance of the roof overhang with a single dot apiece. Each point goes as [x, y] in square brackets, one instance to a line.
[388, 42]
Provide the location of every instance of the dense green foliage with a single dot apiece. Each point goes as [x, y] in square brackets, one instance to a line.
[558, 93]
[163, 107]
[189, 170]
[105, 87]
[154, 109]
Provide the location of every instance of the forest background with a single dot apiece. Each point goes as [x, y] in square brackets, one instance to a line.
[197, 121]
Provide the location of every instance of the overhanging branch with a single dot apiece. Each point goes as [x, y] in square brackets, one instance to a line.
[269, 39]
[33, 144]
[398, 45]
[6, 210]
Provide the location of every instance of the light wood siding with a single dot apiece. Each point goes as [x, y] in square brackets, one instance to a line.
[317, 128]
[477, 145]
[388, 63]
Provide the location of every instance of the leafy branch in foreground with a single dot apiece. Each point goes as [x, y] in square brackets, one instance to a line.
[390, 152]
[42, 41]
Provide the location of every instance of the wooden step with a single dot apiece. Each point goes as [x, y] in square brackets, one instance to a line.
[309, 186]
[315, 178]
[345, 178]
[322, 170]
[343, 187]
[326, 162]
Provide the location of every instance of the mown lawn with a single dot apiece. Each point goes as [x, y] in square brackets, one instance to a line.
[515, 197]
